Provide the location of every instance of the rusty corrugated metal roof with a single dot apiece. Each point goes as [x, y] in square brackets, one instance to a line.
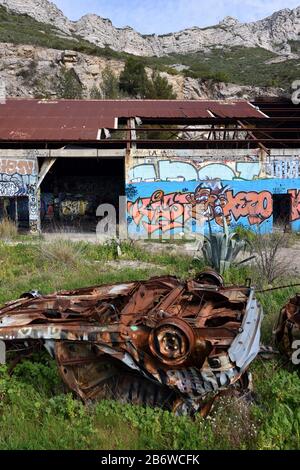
[63, 120]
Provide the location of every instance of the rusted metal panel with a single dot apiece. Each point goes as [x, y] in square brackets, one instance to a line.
[288, 327]
[185, 340]
[71, 120]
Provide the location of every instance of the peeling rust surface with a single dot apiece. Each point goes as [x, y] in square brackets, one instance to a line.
[160, 342]
[288, 327]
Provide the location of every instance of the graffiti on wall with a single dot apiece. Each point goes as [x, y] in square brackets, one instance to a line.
[255, 206]
[295, 204]
[73, 208]
[166, 189]
[170, 170]
[34, 208]
[21, 167]
[211, 199]
[285, 167]
[202, 168]
[16, 177]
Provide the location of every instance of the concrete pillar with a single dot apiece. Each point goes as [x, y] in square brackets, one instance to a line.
[34, 203]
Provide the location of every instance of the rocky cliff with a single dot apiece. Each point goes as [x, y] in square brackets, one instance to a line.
[273, 33]
[30, 71]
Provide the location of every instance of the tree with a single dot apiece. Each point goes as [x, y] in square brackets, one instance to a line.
[133, 79]
[95, 93]
[110, 84]
[159, 88]
[69, 85]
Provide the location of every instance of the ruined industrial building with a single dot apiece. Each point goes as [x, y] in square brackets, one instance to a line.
[167, 342]
[59, 160]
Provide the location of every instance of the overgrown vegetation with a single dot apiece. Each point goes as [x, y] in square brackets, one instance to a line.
[8, 230]
[36, 414]
[242, 65]
[135, 82]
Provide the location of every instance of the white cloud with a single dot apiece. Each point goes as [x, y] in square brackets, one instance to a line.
[162, 16]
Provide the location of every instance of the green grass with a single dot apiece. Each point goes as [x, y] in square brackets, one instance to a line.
[36, 414]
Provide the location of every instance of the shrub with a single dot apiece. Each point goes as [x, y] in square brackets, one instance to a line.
[65, 252]
[220, 250]
[269, 265]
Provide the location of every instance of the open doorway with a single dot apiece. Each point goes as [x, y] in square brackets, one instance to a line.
[74, 188]
[15, 209]
[282, 204]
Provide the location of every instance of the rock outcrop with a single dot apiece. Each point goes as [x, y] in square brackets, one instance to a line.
[30, 71]
[41, 10]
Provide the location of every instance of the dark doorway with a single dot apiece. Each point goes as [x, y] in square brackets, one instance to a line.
[75, 187]
[282, 204]
[15, 209]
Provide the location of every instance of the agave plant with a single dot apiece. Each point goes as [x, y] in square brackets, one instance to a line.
[220, 250]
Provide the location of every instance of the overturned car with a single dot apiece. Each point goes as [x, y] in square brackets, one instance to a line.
[161, 342]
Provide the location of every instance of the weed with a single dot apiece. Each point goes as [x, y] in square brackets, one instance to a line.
[269, 266]
[8, 230]
[66, 252]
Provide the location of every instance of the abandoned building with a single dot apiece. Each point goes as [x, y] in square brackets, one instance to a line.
[59, 160]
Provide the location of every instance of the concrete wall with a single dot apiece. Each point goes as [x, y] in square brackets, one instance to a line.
[163, 188]
[18, 178]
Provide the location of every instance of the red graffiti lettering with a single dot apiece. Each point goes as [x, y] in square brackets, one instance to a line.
[166, 212]
[21, 167]
[257, 207]
[295, 204]
[160, 212]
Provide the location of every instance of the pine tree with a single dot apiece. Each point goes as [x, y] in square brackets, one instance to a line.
[95, 93]
[110, 84]
[159, 88]
[133, 79]
[69, 85]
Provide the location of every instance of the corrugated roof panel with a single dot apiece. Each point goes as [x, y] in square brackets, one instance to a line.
[81, 119]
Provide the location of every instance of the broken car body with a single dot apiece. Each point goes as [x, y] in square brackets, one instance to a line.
[161, 342]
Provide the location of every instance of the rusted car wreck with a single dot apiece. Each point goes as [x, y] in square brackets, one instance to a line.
[161, 342]
[287, 330]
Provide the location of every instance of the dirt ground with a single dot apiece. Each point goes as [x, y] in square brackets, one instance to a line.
[290, 254]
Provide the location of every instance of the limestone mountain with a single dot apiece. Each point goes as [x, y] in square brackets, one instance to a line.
[229, 60]
[274, 33]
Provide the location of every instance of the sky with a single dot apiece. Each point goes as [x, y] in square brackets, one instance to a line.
[164, 16]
